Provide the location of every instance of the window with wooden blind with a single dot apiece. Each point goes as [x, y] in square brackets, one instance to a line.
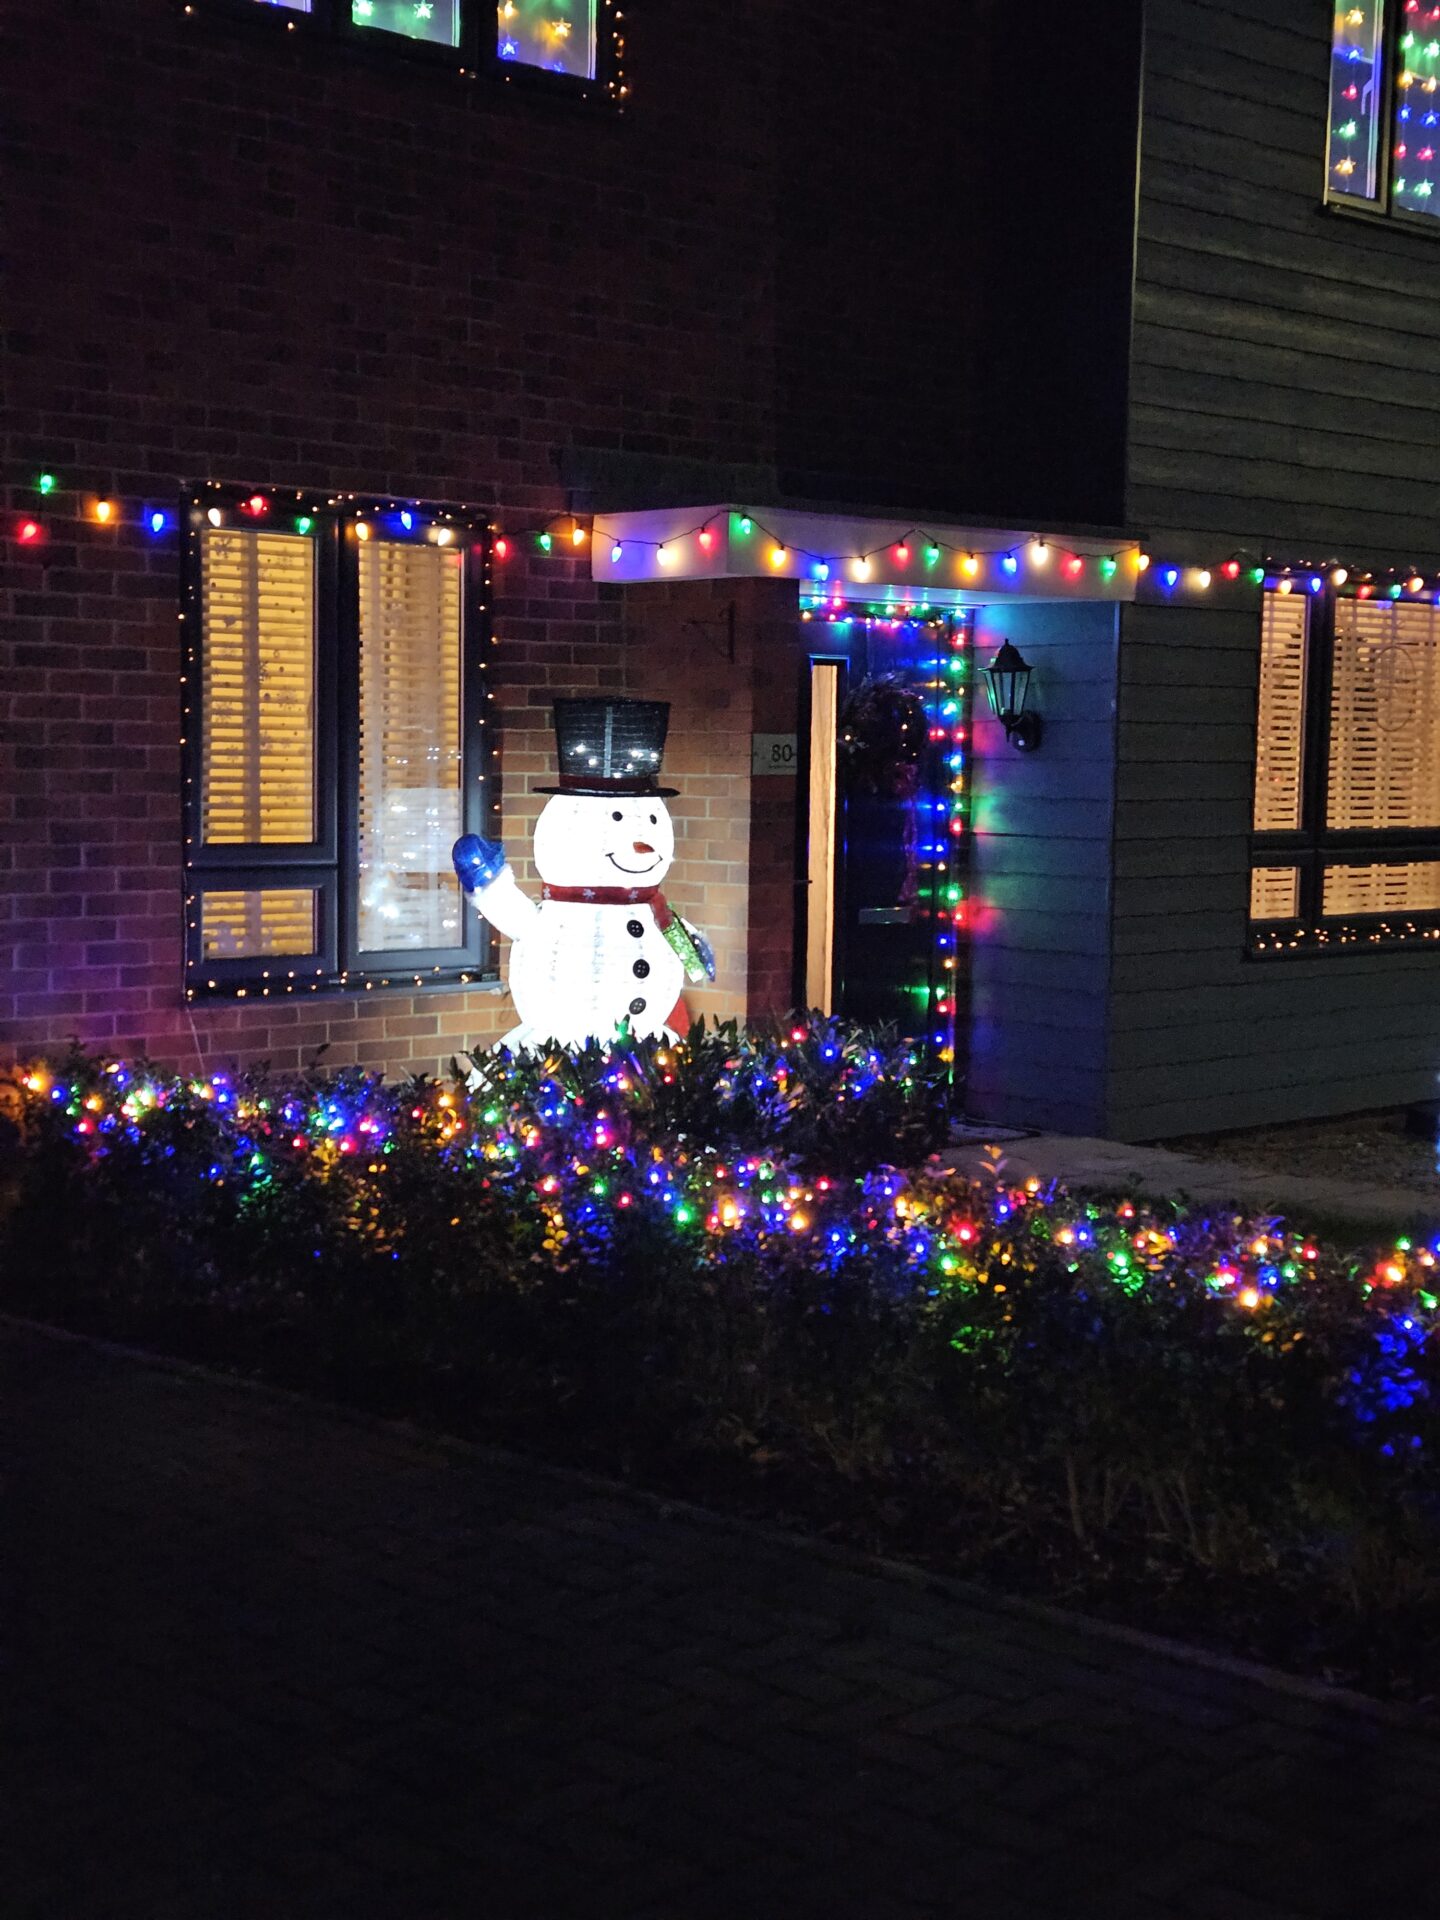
[334, 744]
[1346, 846]
[411, 794]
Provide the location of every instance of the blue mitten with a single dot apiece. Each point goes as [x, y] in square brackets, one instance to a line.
[477, 861]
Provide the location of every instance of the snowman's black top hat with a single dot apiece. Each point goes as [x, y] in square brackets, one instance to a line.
[610, 746]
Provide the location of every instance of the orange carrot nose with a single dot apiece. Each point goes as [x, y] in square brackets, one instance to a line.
[643, 846]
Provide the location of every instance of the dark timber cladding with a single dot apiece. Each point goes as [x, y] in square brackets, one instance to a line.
[1284, 399]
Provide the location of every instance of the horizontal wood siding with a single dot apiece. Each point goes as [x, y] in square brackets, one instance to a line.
[1200, 1036]
[1285, 388]
[1284, 400]
[1040, 897]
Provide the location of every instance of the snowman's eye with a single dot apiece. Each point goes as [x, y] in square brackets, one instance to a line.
[652, 820]
[617, 815]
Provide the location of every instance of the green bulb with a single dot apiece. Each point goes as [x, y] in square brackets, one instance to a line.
[46, 483]
[1257, 574]
[1107, 568]
[747, 525]
[683, 1216]
[932, 556]
[545, 543]
[304, 523]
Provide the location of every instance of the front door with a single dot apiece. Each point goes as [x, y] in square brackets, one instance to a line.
[887, 828]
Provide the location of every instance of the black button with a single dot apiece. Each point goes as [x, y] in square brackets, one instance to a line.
[640, 969]
[637, 1006]
[634, 927]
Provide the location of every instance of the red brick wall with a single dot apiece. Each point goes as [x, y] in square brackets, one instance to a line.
[237, 255]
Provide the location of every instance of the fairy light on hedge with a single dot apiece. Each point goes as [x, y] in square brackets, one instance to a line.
[568, 1144]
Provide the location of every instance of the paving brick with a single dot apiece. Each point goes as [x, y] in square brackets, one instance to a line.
[270, 1661]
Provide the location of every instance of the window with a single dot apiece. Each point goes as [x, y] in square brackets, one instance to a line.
[334, 715]
[560, 37]
[554, 34]
[435, 20]
[1384, 134]
[1346, 846]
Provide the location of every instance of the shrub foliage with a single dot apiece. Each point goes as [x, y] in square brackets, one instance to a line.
[705, 1263]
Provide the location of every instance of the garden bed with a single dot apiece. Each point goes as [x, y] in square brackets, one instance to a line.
[693, 1266]
[1364, 1149]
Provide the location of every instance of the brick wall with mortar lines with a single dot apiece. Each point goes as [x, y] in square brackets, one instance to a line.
[296, 267]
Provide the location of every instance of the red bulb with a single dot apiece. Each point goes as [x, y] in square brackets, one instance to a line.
[902, 555]
[256, 504]
[1074, 566]
[29, 532]
[1231, 569]
[502, 548]
[707, 539]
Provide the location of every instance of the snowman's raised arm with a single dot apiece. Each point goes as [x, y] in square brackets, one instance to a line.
[490, 885]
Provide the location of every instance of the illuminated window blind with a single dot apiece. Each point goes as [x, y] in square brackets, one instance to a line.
[257, 762]
[1274, 893]
[1384, 717]
[251, 923]
[1280, 743]
[1413, 887]
[556, 34]
[410, 745]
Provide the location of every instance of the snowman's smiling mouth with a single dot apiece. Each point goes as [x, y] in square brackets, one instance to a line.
[632, 870]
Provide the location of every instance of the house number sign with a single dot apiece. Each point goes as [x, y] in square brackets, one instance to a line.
[774, 753]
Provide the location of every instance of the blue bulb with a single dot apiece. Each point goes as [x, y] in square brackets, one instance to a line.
[407, 520]
[820, 570]
[158, 521]
[1010, 563]
[1316, 583]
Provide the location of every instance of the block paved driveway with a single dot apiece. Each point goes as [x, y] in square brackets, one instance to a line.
[261, 1660]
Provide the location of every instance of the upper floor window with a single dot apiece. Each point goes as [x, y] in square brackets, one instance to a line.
[553, 36]
[435, 20]
[1384, 135]
[1346, 846]
[333, 743]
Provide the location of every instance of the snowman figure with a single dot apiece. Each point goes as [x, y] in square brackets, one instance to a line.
[602, 947]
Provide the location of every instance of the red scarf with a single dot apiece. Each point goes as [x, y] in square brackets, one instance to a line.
[615, 897]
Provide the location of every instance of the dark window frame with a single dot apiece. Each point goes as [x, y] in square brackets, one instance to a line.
[1315, 845]
[1382, 206]
[477, 54]
[330, 862]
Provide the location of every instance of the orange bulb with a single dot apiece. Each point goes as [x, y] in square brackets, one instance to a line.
[362, 530]
[970, 566]
[1142, 561]
[778, 556]
[577, 535]
[104, 511]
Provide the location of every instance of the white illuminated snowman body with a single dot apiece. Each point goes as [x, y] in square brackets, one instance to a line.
[594, 952]
[579, 967]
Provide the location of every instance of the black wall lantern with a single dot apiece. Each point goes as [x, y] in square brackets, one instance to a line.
[1008, 679]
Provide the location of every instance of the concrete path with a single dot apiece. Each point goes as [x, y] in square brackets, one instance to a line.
[1158, 1173]
[265, 1662]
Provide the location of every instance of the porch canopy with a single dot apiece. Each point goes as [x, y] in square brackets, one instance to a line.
[843, 557]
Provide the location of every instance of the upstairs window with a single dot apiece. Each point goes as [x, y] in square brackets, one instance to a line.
[558, 35]
[1346, 846]
[1383, 150]
[436, 21]
[333, 744]
[562, 37]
